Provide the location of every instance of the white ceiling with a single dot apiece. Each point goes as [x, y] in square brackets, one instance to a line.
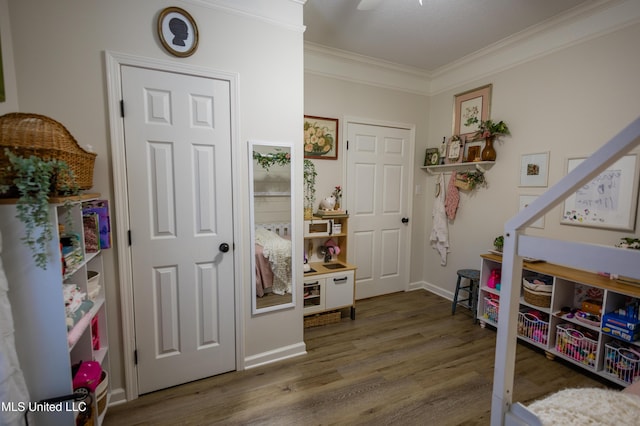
[426, 37]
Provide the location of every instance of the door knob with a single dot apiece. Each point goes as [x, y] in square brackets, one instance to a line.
[405, 220]
[224, 247]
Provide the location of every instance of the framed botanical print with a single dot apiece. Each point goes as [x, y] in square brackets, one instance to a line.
[320, 138]
[469, 109]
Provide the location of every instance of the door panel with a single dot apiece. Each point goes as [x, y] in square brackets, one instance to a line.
[178, 150]
[378, 163]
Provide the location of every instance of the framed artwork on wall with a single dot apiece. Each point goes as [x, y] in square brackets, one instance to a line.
[525, 200]
[609, 201]
[469, 109]
[177, 31]
[534, 169]
[320, 138]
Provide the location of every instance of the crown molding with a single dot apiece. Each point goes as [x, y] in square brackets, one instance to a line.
[348, 66]
[287, 14]
[593, 19]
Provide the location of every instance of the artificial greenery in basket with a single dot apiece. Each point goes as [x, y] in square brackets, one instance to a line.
[309, 187]
[498, 243]
[36, 180]
[488, 128]
[470, 180]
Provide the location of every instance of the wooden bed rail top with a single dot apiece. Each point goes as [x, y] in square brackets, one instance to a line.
[629, 287]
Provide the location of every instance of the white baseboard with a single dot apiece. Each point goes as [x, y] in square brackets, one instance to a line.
[423, 285]
[275, 355]
[118, 396]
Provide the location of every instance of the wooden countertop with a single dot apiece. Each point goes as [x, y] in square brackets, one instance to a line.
[321, 269]
[631, 287]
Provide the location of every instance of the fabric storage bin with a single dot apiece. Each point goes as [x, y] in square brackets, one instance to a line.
[576, 345]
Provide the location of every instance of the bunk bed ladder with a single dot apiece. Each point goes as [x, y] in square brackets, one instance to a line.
[581, 256]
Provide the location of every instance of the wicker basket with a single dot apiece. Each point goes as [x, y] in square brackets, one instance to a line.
[322, 319]
[537, 298]
[33, 134]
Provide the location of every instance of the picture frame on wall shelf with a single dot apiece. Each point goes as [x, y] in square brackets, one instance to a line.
[473, 151]
[534, 170]
[524, 201]
[177, 31]
[455, 150]
[473, 105]
[609, 201]
[432, 157]
[320, 138]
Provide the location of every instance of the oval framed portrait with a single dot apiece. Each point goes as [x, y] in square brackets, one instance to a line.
[177, 31]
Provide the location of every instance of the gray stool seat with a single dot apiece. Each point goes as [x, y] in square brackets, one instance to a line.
[473, 278]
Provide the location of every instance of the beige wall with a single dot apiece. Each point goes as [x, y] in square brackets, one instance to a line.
[329, 97]
[59, 50]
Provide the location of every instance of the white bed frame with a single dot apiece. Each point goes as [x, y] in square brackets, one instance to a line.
[577, 255]
[281, 229]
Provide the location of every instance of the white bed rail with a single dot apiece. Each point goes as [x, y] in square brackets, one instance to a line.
[581, 256]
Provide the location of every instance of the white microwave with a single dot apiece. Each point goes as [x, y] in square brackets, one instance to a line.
[318, 228]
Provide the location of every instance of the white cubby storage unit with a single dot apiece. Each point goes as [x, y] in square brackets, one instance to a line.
[46, 349]
[583, 341]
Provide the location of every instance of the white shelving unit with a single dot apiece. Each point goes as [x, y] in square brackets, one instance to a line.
[559, 334]
[482, 166]
[46, 349]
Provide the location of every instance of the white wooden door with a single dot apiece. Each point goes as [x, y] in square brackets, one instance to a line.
[178, 156]
[378, 167]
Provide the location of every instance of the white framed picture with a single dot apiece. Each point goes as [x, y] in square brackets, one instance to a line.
[608, 201]
[534, 169]
[524, 201]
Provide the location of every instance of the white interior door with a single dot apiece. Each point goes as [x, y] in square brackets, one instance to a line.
[178, 157]
[378, 167]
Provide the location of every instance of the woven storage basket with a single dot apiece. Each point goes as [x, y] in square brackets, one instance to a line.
[322, 319]
[537, 298]
[33, 134]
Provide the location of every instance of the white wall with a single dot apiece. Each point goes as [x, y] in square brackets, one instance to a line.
[334, 98]
[59, 60]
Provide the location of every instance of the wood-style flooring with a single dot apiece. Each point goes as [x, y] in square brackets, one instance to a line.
[405, 360]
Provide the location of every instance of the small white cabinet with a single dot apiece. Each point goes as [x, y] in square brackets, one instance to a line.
[563, 327]
[46, 349]
[328, 291]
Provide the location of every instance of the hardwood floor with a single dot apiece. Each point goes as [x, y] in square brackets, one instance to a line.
[404, 360]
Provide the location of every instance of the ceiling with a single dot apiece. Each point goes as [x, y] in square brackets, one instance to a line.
[425, 37]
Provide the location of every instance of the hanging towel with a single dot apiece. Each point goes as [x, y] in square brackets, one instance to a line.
[440, 233]
[453, 197]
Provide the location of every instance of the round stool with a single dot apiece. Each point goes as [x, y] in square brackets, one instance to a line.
[473, 277]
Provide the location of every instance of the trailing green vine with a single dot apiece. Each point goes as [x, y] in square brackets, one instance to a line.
[268, 160]
[35, 180]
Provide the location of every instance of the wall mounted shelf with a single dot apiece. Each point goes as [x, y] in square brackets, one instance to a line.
[482, 166]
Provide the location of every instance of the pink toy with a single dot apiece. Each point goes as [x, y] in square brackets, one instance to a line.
[88, 376]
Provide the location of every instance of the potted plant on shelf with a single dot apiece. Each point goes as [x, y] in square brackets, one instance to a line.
[36, 179]
[489, 130]
[309, 175]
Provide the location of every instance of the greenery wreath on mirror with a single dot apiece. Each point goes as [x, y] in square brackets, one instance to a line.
[36, 180]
